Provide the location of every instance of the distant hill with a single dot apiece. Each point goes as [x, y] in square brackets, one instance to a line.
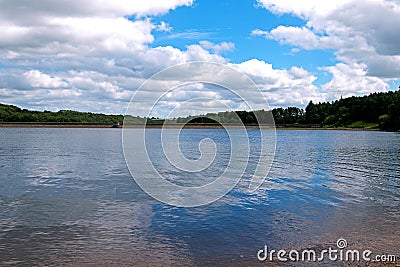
[377, 110]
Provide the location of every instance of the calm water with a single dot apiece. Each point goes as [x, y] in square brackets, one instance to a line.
[67, 198]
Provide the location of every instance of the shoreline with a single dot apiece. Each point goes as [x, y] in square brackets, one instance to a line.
[44, 125]
[172, 126]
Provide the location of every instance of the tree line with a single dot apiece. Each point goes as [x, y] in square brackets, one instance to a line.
[10, 114]
[377, 110]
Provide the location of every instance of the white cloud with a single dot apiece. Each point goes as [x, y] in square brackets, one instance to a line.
[64, 28]
[304, 8]
[361, 32]
[91, 56]
[71, 36]
[352, 79]
[293, 87]
[61, 54]
[198, 53]
[217, 48]
[41, 80]
[25, 11]
[258, 32]
[164, 27]
[301, 36]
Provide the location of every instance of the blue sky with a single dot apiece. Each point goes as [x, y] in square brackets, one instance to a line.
[58, 54]
[233, 21]
[229, 21]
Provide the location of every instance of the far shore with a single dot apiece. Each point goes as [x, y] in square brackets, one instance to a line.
[171, 126]
[44, 125]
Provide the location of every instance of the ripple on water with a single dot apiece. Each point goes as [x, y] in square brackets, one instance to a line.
[67, 198]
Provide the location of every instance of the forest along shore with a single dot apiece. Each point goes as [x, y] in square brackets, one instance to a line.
[375, 111]
[54, 125]
[173, 126]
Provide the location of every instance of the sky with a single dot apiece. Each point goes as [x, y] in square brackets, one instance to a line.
[62, 54]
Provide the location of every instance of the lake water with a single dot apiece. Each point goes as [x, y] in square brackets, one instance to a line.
[67, 198]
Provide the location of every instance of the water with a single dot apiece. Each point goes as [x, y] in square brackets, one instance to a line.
[67, 198]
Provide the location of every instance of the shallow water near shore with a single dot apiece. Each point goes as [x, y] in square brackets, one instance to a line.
[67, 198]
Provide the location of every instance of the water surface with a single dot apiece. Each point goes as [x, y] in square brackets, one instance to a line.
[67, 198]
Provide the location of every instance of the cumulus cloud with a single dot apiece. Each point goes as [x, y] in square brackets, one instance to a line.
[281, 87]
[350, 79]
[25, 11]
[59, 54]
[363, 35]
[194, 99]
[91, 56]
[355, 29]
[164, 27]
[303, 9]
[41, 80]
[71, 36]
[300, 36]
[217, 48]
